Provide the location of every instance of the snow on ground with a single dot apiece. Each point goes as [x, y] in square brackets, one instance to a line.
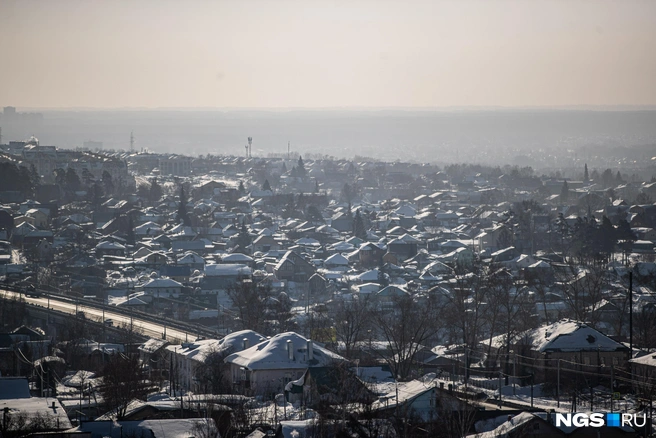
[80, 378]
[177, 428]
[268, 412]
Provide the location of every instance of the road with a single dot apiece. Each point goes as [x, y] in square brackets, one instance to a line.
[148, 328]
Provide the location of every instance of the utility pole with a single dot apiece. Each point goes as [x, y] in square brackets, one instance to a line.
[612, 386]
[631, 314]
[558, 387]
[500, 377]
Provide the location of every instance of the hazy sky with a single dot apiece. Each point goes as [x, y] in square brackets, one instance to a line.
[316, 53]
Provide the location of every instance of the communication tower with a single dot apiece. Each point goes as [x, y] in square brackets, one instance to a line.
[132, 141]
[250, 145]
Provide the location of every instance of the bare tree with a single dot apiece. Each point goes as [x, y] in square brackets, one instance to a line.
[13, 311]
[14, 425]
[464, 311]
[123, 381]
[583, 289]
[512, 300]
[352, 320]
[405, 328]
[212, 372]
[540, 281]
[251, 303]
[644, 326]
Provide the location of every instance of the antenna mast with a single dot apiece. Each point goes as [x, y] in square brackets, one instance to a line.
[132, 141]
[250, 145]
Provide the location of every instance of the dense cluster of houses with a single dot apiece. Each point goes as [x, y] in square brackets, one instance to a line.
[320, 235]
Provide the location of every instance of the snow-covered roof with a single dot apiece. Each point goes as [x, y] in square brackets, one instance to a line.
[15, 397]
[152, 345]
[109, 245]
[540, 265]
[228, 269]
[148, 228]
[336, 259]
[371, 275]
[237, 258]
[190, 257]
[405, 210]
[162, 283]
[79, 378]
[565, 335]
[505, 429]
[342, 246]
[307, 241]
[273, 354]
[406, 391]
[648, 359]
[199, 350]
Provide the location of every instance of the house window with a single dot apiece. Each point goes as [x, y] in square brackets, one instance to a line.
[586, 360]
[603, 360]
[616, 361]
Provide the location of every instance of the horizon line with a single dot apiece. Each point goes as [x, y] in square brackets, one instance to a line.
[581, 107]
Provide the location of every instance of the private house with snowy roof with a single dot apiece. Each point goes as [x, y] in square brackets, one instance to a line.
[265, 243]
[293, 267]
[29, 414]
[572, 346]
[644, 370]
[193, 360]
[162, 288]
[404, 247]
[153, 353]
[370, 254]
[270, 365]
[219, 278]
[333, 384]
[421, 399]
[109, 248]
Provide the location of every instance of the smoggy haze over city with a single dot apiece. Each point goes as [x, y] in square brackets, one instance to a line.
[338, 54]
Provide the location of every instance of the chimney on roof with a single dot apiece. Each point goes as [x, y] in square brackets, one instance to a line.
[290, 349]
[244, 343]
[310, 350]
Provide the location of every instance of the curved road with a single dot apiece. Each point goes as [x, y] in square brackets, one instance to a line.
[148, 328]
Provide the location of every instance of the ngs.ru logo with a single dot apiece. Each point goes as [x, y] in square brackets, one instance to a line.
[597, 419]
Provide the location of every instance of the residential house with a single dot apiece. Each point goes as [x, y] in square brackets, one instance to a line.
[422, 399]
[189, 358]
[40, 217]
[265, 244]
[370, 254]
[270, 365]
[163, 288]
[109, 248]
[569, 345]
[293, 267]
